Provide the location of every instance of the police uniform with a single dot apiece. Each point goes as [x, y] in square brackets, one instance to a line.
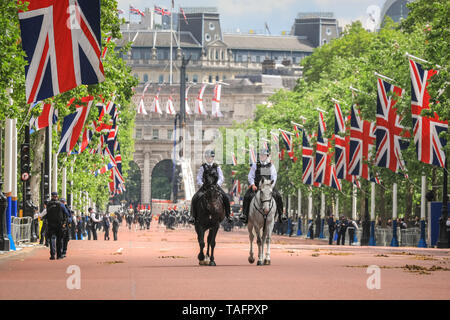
[258, 171]
[200, 192]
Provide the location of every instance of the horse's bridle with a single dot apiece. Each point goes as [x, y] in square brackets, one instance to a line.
[262, 202]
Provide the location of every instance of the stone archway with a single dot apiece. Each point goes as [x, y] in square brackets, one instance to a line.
[162, 180]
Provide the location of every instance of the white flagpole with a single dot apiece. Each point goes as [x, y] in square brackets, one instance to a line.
[171, 45]
[55, 174]
[14, 168]
[354, 202]
[7, 173]
[64, 183]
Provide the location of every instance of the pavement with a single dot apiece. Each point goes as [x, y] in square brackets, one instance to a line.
[160, 264]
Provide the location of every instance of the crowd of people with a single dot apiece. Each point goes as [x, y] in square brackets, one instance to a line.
[60, 225]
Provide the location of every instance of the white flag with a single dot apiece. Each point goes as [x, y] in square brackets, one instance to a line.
[216, 101]
[199, 109]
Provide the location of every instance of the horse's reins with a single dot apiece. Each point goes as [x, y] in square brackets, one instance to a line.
[262, 202]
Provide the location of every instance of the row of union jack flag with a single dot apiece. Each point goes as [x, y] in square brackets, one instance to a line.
[359, 143]
[62, 43]
[199, 108]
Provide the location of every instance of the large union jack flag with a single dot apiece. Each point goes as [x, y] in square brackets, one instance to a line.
[389, 133]
[62, 42]
[73, 125]
[429, 146]
[321, 152]
[331, 179]
[362, 140]
[288, 142]
[308, 161]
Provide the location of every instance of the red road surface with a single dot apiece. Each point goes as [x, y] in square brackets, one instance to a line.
[162, 264]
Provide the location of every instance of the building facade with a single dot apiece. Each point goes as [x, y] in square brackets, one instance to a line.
[252, 66]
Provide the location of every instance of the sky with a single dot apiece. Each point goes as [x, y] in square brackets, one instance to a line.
[245, 15]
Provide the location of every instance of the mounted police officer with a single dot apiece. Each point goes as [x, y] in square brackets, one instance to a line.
[209, 156]
[262, 168]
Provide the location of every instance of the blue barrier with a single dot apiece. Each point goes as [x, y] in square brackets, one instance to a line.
[394, 242]
[372, 240]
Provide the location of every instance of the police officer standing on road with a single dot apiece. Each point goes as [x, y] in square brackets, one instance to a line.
[106, 225]
[66, 226]
[93, 220]
[55, 214]
[115, 226]
[331, 228]
[342, 228]
[351, 230]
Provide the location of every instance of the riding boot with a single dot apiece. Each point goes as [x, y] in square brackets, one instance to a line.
[226, 204]
[195, 198]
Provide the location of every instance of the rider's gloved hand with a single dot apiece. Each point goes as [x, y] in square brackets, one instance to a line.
[254, 187]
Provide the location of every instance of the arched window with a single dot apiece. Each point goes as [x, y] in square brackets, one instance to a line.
[195, 78]
[161, 78]
[145, 77]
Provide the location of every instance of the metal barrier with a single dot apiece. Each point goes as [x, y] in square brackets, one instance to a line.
[21, 229]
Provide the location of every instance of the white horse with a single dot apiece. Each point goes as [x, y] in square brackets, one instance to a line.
[261, 219]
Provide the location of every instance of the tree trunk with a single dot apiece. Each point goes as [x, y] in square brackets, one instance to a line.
[38, 146]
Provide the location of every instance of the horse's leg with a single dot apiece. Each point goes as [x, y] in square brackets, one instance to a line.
[201, 242]
[208, 241]
[251, 236]
[260, 245]
[268, 238]
[212, 242]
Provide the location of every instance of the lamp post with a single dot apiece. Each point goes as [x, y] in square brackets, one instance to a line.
[443, 237]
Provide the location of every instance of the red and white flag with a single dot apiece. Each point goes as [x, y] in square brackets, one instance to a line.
[155, 105]
[216, 101]
[48, 116]
[199, 108]
[169, 106]
[186, 106]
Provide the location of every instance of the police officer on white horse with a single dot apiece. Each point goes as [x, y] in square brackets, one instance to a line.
[262, 168]
[209, 156]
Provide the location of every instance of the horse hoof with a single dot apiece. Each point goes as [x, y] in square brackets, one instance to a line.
[267, 262]
[212, 263]
[202, 263]
[259, 263]
[251, 259]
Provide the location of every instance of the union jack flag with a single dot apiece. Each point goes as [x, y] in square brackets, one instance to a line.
[308, 161]
[199, 108]
[184, 15]
[236, 190]
[429, 146]
[73, 125]
[340, 145]
[233, 159]
[136, 11]
[321, 152]
[86, 139]
[48, 116]
[287, 139]
[162, 11]
[389, 132]
[62, 43]
[275, 142]
[104, 169]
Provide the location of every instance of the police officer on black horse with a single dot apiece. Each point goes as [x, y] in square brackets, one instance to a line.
[209, 155]
[262, 168]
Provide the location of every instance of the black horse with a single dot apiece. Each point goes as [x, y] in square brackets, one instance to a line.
[210, 212]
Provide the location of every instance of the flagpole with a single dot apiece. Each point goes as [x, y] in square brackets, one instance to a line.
[299, 209]
[394, 242]
[422, 242]
[171, 45]
[372, 239]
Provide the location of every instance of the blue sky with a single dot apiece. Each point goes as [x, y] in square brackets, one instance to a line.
[279, 14]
